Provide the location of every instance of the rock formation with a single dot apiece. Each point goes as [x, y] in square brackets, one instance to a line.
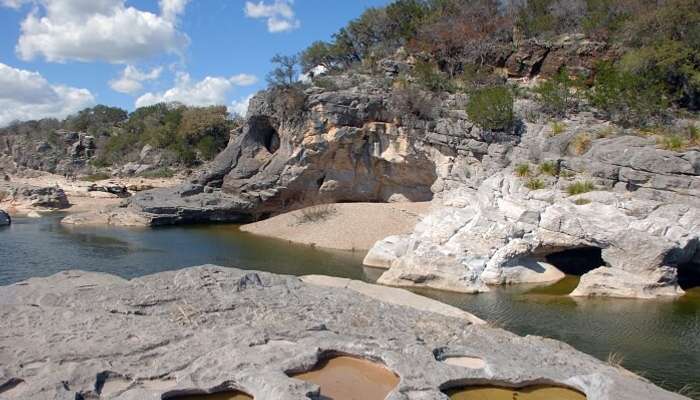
[79, 335]
[503, 233]
[5, 218]
[28, 197]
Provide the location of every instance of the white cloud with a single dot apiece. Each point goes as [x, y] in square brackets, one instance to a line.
[131, 79]
[240, 106]
[279, 14]
[98, 30]
[26, 95]
[208, 91]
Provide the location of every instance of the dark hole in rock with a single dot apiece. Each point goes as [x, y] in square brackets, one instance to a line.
[350, 378]
[689, 276]
[230, 395]
[577, 261]
[535, 392]
[265, 134]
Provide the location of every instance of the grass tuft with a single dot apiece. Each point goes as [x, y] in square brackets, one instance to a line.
[522, 170]
[582, 202]
[580, 187]
[534, 184]
[549, 168]
[557, 128]
[581, 143]
[316, 213]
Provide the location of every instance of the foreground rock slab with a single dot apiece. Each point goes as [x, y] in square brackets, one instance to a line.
[80, 335]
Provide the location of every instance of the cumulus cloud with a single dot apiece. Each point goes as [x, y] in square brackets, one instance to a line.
[98, 30]
[131, 78]
[26, 95]
[240, 106]
[208, 91]
[279, 14]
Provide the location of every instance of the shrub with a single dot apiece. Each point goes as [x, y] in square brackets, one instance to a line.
[316, 213]
[581, 143]
[522, 170]
[428, 76]
[549, 168]
[492, 108]
[580, 187]
[163, 172]
[557, 95]
[557, 128]
[631, 99]
[671, 142]
[97, 176]
[413, 102]
[534, 184]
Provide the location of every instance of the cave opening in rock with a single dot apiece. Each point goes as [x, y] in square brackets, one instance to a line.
[265, 134]
[689, 276]
[577, 261]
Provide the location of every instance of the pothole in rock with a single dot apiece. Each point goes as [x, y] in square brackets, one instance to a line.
[536, 392]
[350, 378]
[229, 395]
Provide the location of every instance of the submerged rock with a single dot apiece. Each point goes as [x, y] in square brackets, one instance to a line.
[503, 233]
[5, 218]
[90, 335]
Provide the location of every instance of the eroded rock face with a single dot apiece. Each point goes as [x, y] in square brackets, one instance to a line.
[502, 233]
[88, 335]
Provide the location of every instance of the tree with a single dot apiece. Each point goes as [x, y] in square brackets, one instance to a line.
[285, 73]
[492, 108]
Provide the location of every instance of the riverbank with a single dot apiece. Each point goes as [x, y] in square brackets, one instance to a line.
[344, 226]
[245, 334]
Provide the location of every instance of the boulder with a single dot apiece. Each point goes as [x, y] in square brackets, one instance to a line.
[5, 218]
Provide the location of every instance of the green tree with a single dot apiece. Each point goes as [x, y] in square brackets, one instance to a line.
[285, 72]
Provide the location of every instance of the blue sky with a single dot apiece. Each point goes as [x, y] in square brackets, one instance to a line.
[57, 56]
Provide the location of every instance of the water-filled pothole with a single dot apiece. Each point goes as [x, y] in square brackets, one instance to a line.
[230, 395]
[351, 378]
[537, 392]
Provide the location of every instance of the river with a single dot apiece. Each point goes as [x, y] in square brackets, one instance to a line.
[659, 340]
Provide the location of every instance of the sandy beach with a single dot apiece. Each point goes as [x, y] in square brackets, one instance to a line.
[347, 226]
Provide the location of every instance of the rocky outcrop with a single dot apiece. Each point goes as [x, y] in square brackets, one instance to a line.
[503, 233]
[27, 197]
[5, 218]
[89, 335]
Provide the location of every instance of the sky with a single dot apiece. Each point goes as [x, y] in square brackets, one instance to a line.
[60, 56]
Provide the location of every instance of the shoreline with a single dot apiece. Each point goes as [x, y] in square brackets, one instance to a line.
[342, 226]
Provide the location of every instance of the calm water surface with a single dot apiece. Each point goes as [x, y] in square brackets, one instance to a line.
[658, 339]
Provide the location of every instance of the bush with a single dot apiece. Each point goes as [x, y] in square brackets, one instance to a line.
[97, 176]
[159, 173]
[428, 76]
[413, 102]
[580, 187]
[492, 108]
[694, 134]
[628, 98]
[534, 184]
[549, 168]
[557, 95]
[522, 170]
